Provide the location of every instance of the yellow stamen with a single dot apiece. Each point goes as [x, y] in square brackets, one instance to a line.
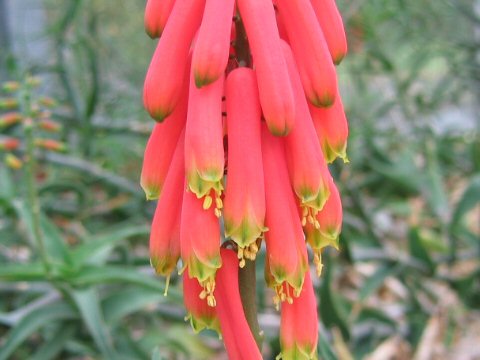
[167, 284]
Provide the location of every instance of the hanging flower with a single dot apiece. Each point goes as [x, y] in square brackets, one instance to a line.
[201, 315]
[200, 243]
[244, 211]
[327, 227]
[332, 130]
[307, 167]
[204, 154]
[257, 110]
[299, 325]
[286, 253]
[165, 234]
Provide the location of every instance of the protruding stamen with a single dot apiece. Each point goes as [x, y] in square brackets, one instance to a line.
[207, 292]
[207, 202]
[317, 260]
[167, 284]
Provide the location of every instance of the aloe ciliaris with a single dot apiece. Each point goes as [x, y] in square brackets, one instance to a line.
[245, 131]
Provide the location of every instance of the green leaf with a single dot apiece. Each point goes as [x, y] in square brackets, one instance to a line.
[156, 354]
[324, 349]
[93, 275]
[418, 250]
[31, 323]
[88, 305]
[50, 349]
[22, 272]
[376, 280]
[329, 311]
[434, 187]
[97, 249]
[469, 199]
[7, 184]
[126, 301]
[54, 242]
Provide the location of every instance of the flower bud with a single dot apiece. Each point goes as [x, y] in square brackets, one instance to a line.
[212, 46]
[49, 125]
[50, 144]
[13, 162]
[332, 27]
[310, 49]
[10, 119]
[10, 86]
[9, 144]
[163, 83]
[156, 16]
[8, 103]
[275, 89]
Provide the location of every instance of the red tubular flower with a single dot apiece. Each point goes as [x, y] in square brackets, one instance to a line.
[160, 148]
[49, 125]
[163, 83]
[9, 144]
[307, 167]
[212, 46]
[156, 16]
[50, 144]
[275, 90]
[201, 315]
[165, 234]
[299, 325]
[286, 253]
[310, 49]
[236, 334]
[10, 119]
[244, 211]
[200, 243]
[332, 26]
[204, 156]
[332, 129]
[328, 225]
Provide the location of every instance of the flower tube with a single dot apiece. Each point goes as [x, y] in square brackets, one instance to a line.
[163, 82]
[275, 90]
[244, 203]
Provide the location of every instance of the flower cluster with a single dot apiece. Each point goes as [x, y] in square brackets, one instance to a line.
[14, 115]
[248, 115]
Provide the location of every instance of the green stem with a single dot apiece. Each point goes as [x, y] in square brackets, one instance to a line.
[247, 283]
[33, 199]
[247, 275]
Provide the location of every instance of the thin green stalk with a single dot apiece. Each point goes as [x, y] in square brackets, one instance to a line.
[248, 292]
[247, 275]
[33, 199]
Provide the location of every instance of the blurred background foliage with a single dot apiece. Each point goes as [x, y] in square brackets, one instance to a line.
[406, 284]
